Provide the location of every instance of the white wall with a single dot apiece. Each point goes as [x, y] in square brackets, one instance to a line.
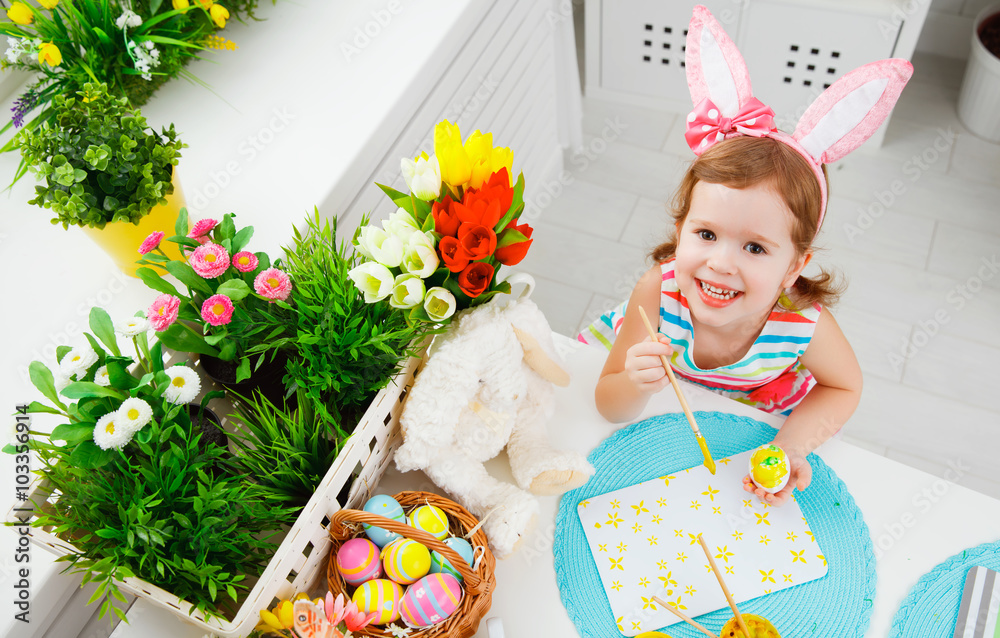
[948, 29]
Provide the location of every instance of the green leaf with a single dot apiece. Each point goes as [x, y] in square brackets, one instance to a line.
[153, 280]
[156, 356]
[516, 206]
[108, 533]
[35, 406]
[73, 433]
[181, 227]
[81, 389]
[120, 377]
[187, 276]
[235, 289]
[393, 193]
[103, 329]
[41, 378]
[243, 371]
[89, 456]
[227, 229]
[179, 338]
[510, 236]
[242, 238]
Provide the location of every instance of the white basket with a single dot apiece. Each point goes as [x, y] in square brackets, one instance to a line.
[299, 564]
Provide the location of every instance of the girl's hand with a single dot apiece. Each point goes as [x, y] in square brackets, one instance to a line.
[643, 366]
[800, 477]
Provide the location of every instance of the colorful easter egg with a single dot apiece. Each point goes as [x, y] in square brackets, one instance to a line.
[405, 561]
[430, 519]
[430, 600]
[759, 627]
[388, 507]
[358, 561]
[380, 596]
[441, 565]
[769, 468]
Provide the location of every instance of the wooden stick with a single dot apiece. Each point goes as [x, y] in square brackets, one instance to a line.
[725, 590]
[709, 461]
[677, 613]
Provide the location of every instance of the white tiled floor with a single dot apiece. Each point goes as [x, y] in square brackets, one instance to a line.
[923, 269]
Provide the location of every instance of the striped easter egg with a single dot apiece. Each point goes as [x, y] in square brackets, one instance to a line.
[388, 507]
[430, 600]
[430, 519]
[441, 565]
[358, 561]
[405, 561]
[380, 596]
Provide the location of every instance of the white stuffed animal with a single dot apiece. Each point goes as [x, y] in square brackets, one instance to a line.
[488, 384]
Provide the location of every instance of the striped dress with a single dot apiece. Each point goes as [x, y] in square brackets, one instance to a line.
[770, 376]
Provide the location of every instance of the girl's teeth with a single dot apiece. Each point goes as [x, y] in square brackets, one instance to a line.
[717, 293]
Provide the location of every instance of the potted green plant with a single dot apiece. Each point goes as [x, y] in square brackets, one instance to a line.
[138, 494]
[226, 305]
[101, 168]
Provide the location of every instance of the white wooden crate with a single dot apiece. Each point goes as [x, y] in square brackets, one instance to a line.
[299, 562]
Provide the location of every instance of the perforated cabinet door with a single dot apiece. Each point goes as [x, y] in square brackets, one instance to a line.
[796, 49]
[642, 45]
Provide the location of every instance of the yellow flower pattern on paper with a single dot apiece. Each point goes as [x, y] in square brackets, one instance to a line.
[676, 604]
[678, 533]
[647, 603]
[729, 569]
[652, 540]
[668, 580]
[666, 480]
[724, 553]
[637, 625]
[616, 563]
[717, 510]
[690, 591]
[584, 504]
[614, 520]
[643, 582]
[762, 518]
[695, 505]
[724, 461]
[710, 493]
[812, 536]
[681, 556]
[748, 503]
[798, 556]
[738, 535]
[788, 578]
[622, 547]
[616, 505]
[662, 564]
[616, 585]
[640, 508]
[694, 538]
[656, 519]
[764, 540]
[618, 621]
[602, 548]
[767, 576]
[661, 502]
[822, 558]
[791, 536]
[637, 528]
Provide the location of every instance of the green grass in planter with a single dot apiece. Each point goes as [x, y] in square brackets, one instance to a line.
[345, 350]
[158, 511]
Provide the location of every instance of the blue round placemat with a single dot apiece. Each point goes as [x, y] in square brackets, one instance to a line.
[931, 607]
[839, 604]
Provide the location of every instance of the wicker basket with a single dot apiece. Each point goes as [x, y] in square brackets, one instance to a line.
[478, 584]
[299, 561]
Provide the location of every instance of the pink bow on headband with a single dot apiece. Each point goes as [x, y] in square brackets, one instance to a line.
[706, 126]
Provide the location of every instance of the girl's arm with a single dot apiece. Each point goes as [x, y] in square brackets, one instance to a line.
[824, 410]
[633, 372]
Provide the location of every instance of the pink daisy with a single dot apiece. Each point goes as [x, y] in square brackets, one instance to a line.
[244, 261]
[217, 310]
[163, 311]
[273, 284]
[202, 228]
[210, 260]
[151, 243]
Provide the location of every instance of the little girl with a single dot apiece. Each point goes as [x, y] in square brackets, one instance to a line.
[745, 217]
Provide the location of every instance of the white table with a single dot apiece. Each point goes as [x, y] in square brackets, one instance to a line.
[916, 520]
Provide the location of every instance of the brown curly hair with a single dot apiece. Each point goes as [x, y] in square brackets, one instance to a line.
[743, 162]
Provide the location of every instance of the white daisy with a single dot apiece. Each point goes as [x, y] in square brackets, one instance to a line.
[109, 433]
[77, 361]
[184, 385]
[60, 380]
[101, 376]
[133, 414]
[128, 19]
[133, 326]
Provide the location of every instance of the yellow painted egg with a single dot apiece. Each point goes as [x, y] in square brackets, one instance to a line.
[406, 561]
[769, 468]
[759, 628]
[381, 597]
[430, 519]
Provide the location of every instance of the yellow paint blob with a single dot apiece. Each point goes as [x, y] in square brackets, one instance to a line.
[769, 466]
[759, 628]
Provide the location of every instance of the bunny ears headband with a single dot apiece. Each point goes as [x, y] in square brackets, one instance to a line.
[837, 122]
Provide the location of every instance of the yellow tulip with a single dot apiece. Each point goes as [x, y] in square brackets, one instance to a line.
[485, 159]
[49, 54]
[285, 614]
[206, 3]
[456, 169]
[48, 4]
[219, 15]
[20, 13]
[181, 4]
[271, 620]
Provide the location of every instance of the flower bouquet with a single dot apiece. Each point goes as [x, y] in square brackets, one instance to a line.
[320, 618]
[228, 298]
[131, 480]
[440, 251]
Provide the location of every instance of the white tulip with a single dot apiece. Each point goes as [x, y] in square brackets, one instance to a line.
[401, 224]
[372, 279]
[420, 261]
[407, 291]
[423, 176]
[439, 304]
[379, 245]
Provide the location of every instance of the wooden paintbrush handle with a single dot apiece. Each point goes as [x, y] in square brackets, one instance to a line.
[670, 375]
[677, 613]
[722, 583]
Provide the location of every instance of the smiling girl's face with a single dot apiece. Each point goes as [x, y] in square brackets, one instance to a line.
[735, 255]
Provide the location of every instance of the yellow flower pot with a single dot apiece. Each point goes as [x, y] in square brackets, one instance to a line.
[121, 240]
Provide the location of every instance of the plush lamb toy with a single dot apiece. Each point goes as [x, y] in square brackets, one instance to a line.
[488, 384]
